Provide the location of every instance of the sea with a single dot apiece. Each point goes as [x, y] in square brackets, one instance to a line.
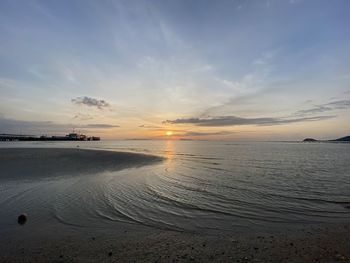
[201, 186]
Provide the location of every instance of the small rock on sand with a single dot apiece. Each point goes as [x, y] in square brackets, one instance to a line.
[22, 219]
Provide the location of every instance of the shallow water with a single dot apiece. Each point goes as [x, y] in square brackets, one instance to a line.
[201, 186]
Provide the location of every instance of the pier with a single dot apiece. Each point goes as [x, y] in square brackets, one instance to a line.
[69, 137]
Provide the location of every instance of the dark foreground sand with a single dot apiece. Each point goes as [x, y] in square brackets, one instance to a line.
[56, 242]
[142, 244]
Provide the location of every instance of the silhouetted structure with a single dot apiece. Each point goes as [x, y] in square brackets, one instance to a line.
[69, 137]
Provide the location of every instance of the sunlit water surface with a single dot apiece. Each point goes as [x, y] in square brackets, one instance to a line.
[201, 186]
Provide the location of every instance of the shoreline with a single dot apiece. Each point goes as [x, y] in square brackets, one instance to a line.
[48, 162]
[50, 240]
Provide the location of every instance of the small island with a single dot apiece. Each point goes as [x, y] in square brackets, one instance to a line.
[342, 139]
[309, 140]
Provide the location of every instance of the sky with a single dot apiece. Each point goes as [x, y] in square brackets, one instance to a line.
[179, 69]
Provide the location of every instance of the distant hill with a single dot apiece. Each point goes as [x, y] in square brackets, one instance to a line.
[342, 139]
[309, 140]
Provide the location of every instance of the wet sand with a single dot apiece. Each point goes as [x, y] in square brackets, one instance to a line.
[55, 242]
[34, 163]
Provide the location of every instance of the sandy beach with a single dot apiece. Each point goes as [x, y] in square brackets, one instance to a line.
[63, 227]
[141, 244]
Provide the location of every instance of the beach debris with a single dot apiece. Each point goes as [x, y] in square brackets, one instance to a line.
[22, 219]
[110, 254]
[234, 240]
[339, 257]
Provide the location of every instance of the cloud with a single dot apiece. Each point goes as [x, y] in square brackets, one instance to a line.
[191, 133]
[40, 127]
[265, 57]
[316, 109]
[340, 104]
[294, 1]
[238, 121]
[185, 133]
[19, 126]
[91, 102]
[149, 126]
[98, 126]
[335, 105]
[83, 117]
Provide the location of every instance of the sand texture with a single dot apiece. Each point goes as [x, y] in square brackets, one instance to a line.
[30, 163]
[43, 238]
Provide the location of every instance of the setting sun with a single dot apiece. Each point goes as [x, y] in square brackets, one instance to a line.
[169, 133]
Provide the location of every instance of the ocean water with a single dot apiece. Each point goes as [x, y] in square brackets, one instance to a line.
[201, 186]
